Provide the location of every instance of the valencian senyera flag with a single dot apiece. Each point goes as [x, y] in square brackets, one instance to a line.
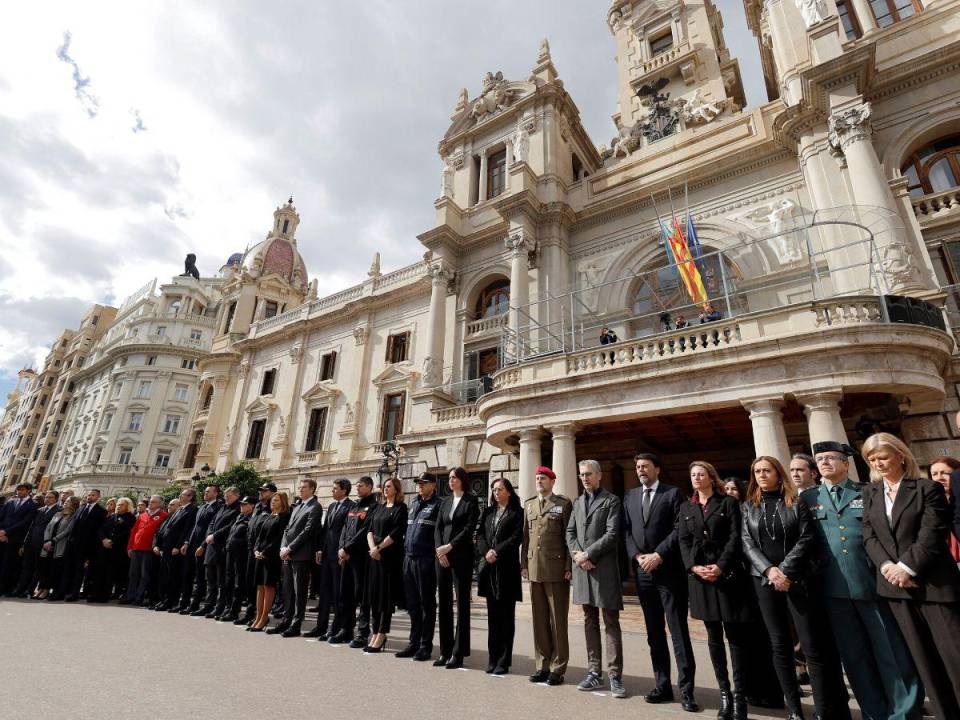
[679, 253]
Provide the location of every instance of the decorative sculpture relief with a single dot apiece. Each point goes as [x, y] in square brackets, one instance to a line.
[849, 126]
[374, 270]
[438, 276]
[432, 372]
[544, 54]
[521, 143]
[696, 110]
[360, 334]
[351, 412]
[243, 369]
[812, 11]
[663, 114]
[494, 97]
[899, 265]
[462, 100]
[775, 220]
[446, 179]
[296, 352]
[516, 243]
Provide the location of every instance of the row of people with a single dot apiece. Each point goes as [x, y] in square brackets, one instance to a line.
[862, 573]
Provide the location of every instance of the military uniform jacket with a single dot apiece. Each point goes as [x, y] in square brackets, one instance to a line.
[421, 524]
[843, 568]
[544, 554]
[597, 532]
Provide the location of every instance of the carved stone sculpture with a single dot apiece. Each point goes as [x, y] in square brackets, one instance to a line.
[495, 96]
[812, 11]
[190, 267]
[521, 144]
[374, 270]
[696, 110]
[432, 372]
[446, 179]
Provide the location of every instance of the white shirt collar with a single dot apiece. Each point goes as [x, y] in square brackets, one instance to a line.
[656, 484]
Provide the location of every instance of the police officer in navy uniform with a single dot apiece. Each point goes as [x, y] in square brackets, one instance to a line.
[261, 512]
[419, 569]
[235, 579]
[872, 650]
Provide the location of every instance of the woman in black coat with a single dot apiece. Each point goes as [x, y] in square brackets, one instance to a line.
[113, 564]
[778, 540]
[388, 527]
[498, 545]
[916, 574]
[266, 553]
[708, 532]
[456, 524]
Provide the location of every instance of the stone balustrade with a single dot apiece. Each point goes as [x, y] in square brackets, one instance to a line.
[457, 413]
[660, 61]
[941, 203]
[486, 325]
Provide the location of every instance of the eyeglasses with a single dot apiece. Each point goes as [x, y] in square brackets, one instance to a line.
[830, 458]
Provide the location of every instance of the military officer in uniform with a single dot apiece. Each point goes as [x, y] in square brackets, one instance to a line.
[419, 569]
[872, 650]
[545, 562]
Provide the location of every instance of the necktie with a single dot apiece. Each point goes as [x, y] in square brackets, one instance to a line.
[647, 499]
[542, 503]
[836, 491]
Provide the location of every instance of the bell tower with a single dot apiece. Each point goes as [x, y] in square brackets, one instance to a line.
[285, 222]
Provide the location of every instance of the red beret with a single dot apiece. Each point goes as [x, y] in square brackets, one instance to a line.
[543, 470]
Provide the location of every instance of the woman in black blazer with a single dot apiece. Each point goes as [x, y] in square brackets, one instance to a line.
[266, 553]
[710, 546]
[498, 546]
[388, 528]
[114, 563]
[905, 524]
[456, 525]
[778, 540]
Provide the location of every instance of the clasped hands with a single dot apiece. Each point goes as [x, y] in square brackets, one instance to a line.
[707, 573]
[649, 562]
[442, 552]
[777, 578]
[896, 575]
[583, 561]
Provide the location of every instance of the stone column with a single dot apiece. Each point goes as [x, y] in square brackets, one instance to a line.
[565, 459]
[868, 23]
[517, 243]
[769, 435]
[433, 362]
[529, 462]
[824, 422]
[483, 178]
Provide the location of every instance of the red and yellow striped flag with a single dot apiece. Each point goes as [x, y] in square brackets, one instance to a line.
[686, 267]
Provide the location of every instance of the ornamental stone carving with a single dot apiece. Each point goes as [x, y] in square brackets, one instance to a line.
[494, 97]
[812, 11]
[899, 265]
[296, 352]
[243, 369]
[446, 179]
[432, 372]
[517, 243]
[360, 334]
[698, 111]
[849, 126]
[521, 143]
[438, 276]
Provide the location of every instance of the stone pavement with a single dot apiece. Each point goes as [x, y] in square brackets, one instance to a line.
[93, 662]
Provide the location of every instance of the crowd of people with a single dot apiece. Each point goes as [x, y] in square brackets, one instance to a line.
[852, 578]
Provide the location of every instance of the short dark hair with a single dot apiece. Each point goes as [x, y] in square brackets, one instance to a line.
[54, 493]
[97, 491]
[343, 484]
[655, 459]
[216, 488]
[808, 459]
[311, 482]
[366, 480]
[26, 485]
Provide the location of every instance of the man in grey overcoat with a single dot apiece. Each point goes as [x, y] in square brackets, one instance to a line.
[592, 537]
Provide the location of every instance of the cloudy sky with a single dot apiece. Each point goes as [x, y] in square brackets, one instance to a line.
[133, 133]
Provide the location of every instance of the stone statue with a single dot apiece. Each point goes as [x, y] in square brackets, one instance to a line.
[544, 53]
[446, 179]
[431, 372]
[462, 100]
[775, 220]
[697, 110]
[190, 267]
[812, 11]
[374, 270]
[495, 96]
[521, 144]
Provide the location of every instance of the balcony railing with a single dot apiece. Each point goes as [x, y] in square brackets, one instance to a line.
[127, 469]
[487, 325]
[935, 204]
[457, 413]
[467, 391]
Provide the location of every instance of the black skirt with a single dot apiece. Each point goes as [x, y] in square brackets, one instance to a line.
[267, 572]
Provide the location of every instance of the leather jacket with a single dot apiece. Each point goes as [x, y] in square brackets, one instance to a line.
[798, 543]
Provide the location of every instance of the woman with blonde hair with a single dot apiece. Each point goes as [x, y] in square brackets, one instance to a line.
[266, 553]
[905, 525]
[778, 540]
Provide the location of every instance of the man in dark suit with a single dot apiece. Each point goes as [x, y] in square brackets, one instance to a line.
[33, 544]
[167, 543]
[297, 551]
[650, 519]
[330, 570]
[193, 550]
[353, 554]
[215, 555]
[15, 518]
[237, 550]
[261, 512]
[86, 543]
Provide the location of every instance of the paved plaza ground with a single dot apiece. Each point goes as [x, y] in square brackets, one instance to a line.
[93, 662]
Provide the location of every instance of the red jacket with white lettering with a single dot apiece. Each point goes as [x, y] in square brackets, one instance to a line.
[141, 537]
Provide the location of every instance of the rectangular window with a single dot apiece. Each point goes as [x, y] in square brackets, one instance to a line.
[270, 309]
[188, 364]
[162, 460]
[180, 393]
[327, 364]
[661, 43]
[269, 379]
[107, 419]
[125, 454]
[151, 359]
[116, 390]
[161, 330]
[397, 347]
[848, 19]
[392, 416]
[136, 422]
[255, 441]
[496, 174]
[143, 390]
[172, 424]
[196, 334]
[318, 419]
[229, 320]
[95, 456]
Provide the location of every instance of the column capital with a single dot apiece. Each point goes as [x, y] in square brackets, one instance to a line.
[528, 435]
[517, 243]
[820, 400]
[439, 276]
[849, 125]
[563, 431]
[763, 406]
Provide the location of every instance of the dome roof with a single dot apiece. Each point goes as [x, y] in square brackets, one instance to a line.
[235, 259]
[276, 256]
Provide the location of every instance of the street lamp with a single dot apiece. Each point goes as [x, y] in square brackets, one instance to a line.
[390, 463]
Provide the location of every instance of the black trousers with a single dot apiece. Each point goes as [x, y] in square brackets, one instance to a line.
[664, 604]
[216, 573]
[141, 570]
[455, 579]
[813, 630]
[737, 636]
[354, 610]
[932, 633]
[420, 588]
[250, 586]
[501, 626]
[171, 579]
[235, 581]
[28, 570]
[83, 564]
[328, 592]
[296, 583]
[50, 574]
[197, 579]
[10, 568]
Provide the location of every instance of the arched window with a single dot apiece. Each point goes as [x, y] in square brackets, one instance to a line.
[934, 167]
[208, 398]
[494, 300]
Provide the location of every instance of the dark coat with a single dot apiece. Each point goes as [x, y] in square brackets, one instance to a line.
[915, 536]
[216, 552]
[714, 539]
[260, 513]
[176, 529]
[597, 532]
[659, 533]
[459, 530]
[420, 540]
[237, 537]
[270, 535]
[15, 521]
[300, 535]
[501, 580]
[43, 516]
[205, 515]
[799, 542]
[116, 528]
[954, 495]
[329, 540]
[86, 528]
[353, 539]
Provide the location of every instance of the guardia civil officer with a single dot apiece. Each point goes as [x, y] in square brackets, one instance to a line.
[238, 540]
[419, 569]
[872, 650]
[545, 562]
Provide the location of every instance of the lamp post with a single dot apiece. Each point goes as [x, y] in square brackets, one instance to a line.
[205, 474]
[390, 463]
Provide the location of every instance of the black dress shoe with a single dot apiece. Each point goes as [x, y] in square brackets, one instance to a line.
[540, 676]
[555, 679]
[501, 670]
[489, 669]
[339, 639]
[229, 617]
[659, 695]
[357, 643]
[159, 607]
[441, 661]
[124, 601]
[175, 609]
[254, 629]
[726, 706]
[422, 655]
[242, 621]
[408, 651]
[315, 633]
[212, 615]
[278, 629]
[456, 662]
[199, 612]
[292, 631]
[71, 598]
[689, 704]
[739, 707]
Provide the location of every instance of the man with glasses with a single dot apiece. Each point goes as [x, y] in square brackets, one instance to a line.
[872, 650]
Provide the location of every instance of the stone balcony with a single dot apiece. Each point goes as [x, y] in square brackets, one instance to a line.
[681, 57]
[937, 208]
[486, 327]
